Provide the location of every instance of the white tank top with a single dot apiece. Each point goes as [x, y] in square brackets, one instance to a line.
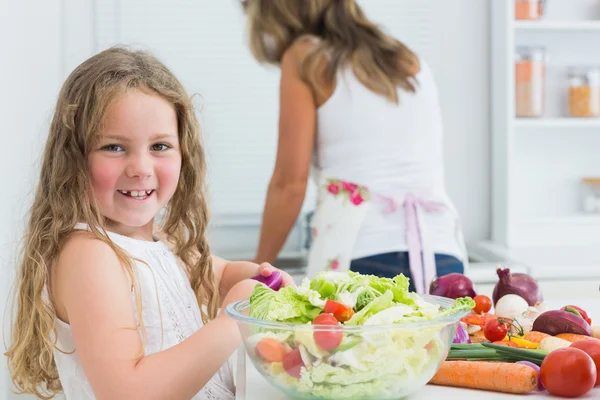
[393, 149]
[178, 318]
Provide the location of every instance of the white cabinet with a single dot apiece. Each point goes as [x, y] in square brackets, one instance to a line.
[538, 163]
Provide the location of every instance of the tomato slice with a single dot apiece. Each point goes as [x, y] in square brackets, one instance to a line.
[292, 363]
[329, 339]
[340, 311]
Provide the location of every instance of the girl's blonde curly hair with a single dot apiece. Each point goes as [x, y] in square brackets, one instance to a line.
[61, 201]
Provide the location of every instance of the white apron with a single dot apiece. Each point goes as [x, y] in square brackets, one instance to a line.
[340, 212]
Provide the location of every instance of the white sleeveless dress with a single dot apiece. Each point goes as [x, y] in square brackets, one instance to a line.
[170, 312]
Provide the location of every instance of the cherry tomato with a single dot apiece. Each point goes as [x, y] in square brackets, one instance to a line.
[495, 330]
[592, 348]
[292, 363]
[584, 314]
[506, 343]
[483, 304]
[568, 372]
[329, 339]
[340, 311]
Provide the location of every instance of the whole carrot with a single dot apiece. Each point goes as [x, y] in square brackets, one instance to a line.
[493, 376]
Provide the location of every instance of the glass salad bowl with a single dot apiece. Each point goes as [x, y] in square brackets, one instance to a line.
[373, 360]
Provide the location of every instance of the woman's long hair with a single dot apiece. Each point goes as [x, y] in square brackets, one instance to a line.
[342, 36]
[61, 202]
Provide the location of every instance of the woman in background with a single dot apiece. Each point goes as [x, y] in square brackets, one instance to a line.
[361, 109]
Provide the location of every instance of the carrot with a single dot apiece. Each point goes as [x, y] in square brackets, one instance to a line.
[270, 350]
[572, 337]
[535, 337]
[495, 376]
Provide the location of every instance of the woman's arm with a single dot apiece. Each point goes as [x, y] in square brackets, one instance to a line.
[287, 188]
[92, 292]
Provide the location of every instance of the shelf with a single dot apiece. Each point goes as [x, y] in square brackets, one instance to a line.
[557, 122]
[584, 26]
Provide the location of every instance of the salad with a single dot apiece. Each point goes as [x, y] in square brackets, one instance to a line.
[344, 335]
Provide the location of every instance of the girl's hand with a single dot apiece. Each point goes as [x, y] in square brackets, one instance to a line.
[266, 269]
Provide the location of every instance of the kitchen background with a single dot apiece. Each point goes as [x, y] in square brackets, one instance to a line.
[517, 182]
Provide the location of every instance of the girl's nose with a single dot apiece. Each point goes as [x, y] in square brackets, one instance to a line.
[139, 166]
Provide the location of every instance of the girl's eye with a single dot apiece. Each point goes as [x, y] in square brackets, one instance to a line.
[160, 147]
[112, 147]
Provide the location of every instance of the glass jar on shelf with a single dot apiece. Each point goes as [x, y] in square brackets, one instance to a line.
[529, 9]
[584, 91]
[530, 81]
[591, 195]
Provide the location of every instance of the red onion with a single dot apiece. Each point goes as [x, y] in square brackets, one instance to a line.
[453, 286]
[273, 281]
[461, 337]
[540, 386]
[522, 285]
[555, 322]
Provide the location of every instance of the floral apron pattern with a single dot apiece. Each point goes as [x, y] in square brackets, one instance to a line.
[339, 215]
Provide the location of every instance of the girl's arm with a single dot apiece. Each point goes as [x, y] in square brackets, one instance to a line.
[91, 291]
[287, 188]
[228, 273]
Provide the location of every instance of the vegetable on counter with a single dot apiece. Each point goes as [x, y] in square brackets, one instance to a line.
[552, 343]
[511, 306]
[452, 285]
[535, 336]
[496, 329]
[536, 368]
[483, 304]
[522, 285]
[568, 372]
[592, 348]
[572, 337]
[578, 311]
[494, 352]
[555, 322]
[499, 376]
[461, 336]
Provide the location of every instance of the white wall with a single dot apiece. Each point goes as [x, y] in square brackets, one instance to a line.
[31, 70]
[29, 80]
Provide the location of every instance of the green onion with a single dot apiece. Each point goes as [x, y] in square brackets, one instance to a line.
[493, 352]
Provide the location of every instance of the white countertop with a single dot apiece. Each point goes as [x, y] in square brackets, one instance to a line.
[252, 386]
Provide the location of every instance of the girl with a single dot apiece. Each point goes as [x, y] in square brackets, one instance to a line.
[362, 109]
[104, 309]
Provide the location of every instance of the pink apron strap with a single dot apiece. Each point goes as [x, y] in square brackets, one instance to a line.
[420, 251]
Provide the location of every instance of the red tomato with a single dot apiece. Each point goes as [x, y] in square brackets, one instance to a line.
[495, 330]
[340, 311]
[483, 304]
[292, 363]
[584, 315]
[592, 348]
[568, 372]
[506, 343]
[330, 339]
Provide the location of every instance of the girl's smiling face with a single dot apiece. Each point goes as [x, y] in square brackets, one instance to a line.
[136, 162]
